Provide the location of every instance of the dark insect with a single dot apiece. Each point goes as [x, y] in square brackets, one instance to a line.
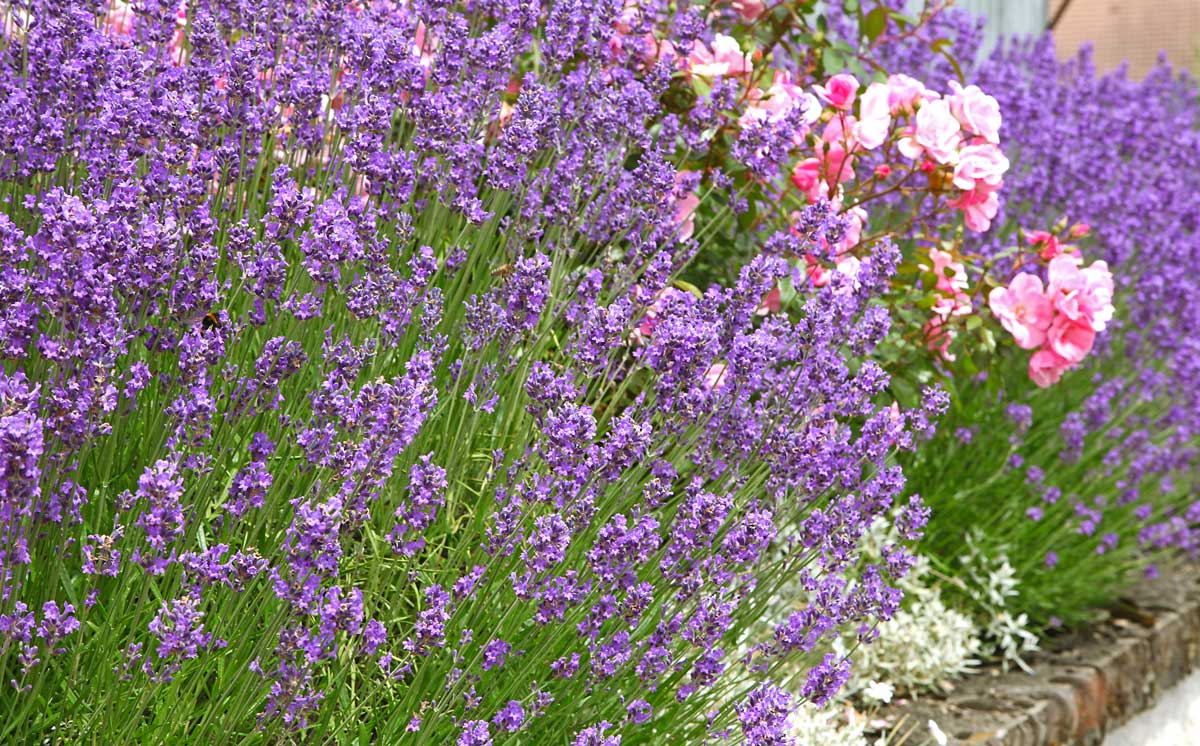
[206, 321]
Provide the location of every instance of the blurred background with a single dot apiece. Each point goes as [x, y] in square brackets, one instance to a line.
[1120, 30]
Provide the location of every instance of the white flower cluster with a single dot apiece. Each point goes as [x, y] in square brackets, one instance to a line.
[824, 726]
[924, 644]
[992, 583]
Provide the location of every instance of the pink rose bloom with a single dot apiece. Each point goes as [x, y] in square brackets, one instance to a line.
[724, 57]
[937, 133]
[907, 145]
[847, 266]
[904, 93]
[424, 45]
[1048, 242]
[685, 215]
[856, 220]
[685, 210]
[1083, 296]
[951, 284]
[951, 274]
[979, 163]
[654, 49]
[1098, 296]
[749, 10]
[1064, 274]
[771, 302]
[806, 176]
[838, 164]
[979, 206]
[839, 91]
[818, 273]
[1023, 309]
[1070, 340]
[1046, 368]
[779, 101]
[874, 117]
[978, 112]
[839, 130]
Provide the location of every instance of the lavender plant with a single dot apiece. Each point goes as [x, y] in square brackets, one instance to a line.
[347, 395]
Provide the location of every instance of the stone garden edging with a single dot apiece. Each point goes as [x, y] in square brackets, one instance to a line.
[1085, 684]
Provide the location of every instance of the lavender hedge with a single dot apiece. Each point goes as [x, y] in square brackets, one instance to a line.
[516, 372]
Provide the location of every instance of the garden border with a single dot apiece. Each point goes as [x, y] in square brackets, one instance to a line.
[1084, 684]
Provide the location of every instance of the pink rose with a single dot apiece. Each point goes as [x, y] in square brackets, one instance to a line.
[979, 163]
[874, 117]
[813, 175]
[978, 112]
[856, 218]
[951, 284]
[724, 57]
[749, 10]
[770, 303]
[1046, 368]
[937, 133]
[779, 101]
[1070, 340]
[847, 267]
[685, 215]
[806, 176]
[685, 210]
[1023, 309]
[1083, 296]
[655, 49]
[1098, 294]
[904, 93]
[979, 206]
[838, 165]
[839, 91]
[817, 273]
[951, 275]
[1048, 242]
[839, 130]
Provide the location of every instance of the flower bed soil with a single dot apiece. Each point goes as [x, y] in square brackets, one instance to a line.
[1085, 684]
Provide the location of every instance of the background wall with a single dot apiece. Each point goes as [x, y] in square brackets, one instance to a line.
[1009, 17]
[1132, 29]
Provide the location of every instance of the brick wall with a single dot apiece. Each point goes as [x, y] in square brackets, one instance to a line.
[1133, 30]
